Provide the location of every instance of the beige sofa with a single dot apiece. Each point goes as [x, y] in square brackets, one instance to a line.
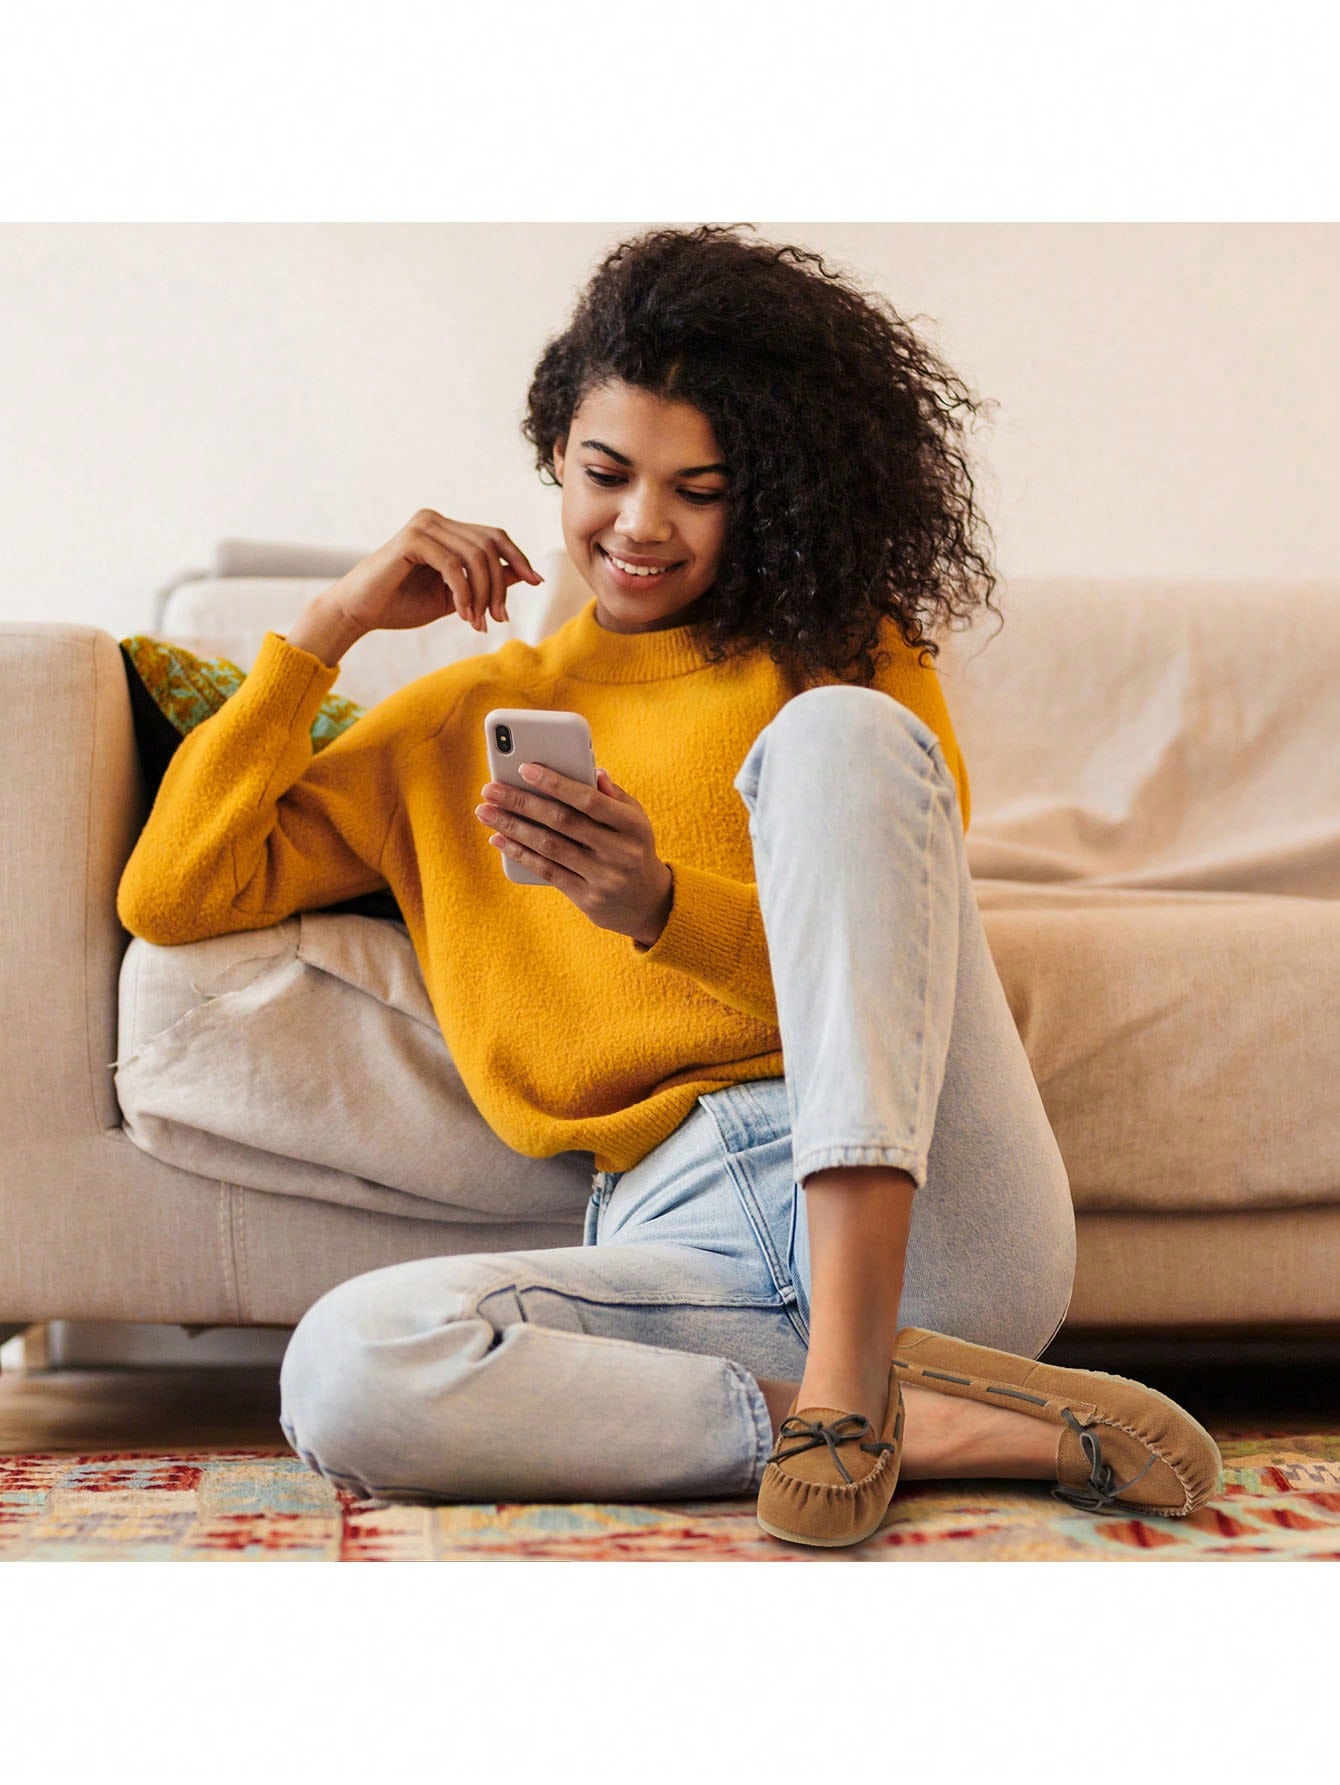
[213, 1135]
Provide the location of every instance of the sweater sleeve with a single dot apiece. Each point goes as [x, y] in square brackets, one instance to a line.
[250, 824]
[715, 935]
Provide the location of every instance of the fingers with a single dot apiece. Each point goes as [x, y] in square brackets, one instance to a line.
[494, 591]
[552, 838]
[501, 585]
[508, 564]
[567, 799]
[449, 567]
[517, 559]
[546, 780]
[478, 565]
[463, 566]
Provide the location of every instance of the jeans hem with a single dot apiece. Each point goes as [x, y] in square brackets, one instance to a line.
[812, 1159]
[758, 1408]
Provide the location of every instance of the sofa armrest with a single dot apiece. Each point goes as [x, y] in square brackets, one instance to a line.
[72, 802]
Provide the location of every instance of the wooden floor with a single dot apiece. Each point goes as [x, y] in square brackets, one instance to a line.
[1290, 1388]
[185, 1407]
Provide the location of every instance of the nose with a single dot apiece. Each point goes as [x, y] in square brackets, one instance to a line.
[641, 521]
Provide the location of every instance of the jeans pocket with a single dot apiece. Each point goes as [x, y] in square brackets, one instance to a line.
[798, 1262]
[755, 1131]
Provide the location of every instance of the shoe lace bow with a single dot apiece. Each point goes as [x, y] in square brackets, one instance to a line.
[810, 1433]
[1101, 1490]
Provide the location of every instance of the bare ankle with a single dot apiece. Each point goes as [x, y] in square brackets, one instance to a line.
[779, 1396]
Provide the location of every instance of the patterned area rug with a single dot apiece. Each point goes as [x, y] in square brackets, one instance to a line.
[1280, 1502]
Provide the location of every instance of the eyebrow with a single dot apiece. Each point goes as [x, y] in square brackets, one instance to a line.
[688, 471]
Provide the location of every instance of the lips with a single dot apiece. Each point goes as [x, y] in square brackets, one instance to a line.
[628, 578]
[641, 563]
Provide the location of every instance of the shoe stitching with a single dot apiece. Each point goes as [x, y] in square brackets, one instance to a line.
[890, 1459]
[842, 1487]
[1157, 1455]
[1021, 1394]
[994, 1388]
[810, 1433]
[1100, 1493]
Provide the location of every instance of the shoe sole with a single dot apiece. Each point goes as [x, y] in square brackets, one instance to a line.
[825, 1542]
[1001, 1393]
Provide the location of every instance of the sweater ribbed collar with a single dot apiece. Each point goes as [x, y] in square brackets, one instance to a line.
[589, 652]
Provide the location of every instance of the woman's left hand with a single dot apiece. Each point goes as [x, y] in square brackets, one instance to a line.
[593, 843]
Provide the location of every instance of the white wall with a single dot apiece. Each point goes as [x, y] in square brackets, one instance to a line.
[1167, 391]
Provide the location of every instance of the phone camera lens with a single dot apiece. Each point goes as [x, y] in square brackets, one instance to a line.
[504, 737]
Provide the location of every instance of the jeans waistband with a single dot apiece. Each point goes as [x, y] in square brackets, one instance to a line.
[744, 1115]
[751, 1112]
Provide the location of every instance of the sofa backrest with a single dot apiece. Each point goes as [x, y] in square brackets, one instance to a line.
[1177, 733]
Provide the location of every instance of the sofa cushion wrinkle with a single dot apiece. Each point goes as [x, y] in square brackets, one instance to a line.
[305, 1060]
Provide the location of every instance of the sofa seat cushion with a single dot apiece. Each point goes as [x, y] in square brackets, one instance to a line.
[1184, 1044]
[305, 1059]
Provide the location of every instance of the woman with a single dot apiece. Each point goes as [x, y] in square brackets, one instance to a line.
[774, 1021]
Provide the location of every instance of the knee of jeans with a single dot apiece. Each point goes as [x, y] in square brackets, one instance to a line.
[1043, 1313]
[328, 1385]
[832, 711]
[350, 1372]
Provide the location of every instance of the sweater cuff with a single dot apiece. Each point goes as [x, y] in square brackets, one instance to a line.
[285, 681]
[715, 935]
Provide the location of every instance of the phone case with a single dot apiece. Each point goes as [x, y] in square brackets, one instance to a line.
[558, 740]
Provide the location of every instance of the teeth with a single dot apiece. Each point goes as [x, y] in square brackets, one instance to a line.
[637, 569]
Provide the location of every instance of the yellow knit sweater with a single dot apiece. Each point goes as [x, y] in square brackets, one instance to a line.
[567, 1037]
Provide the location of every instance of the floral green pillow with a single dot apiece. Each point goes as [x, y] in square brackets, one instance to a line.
[172, 691]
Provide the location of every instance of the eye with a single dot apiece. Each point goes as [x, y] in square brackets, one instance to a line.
[607, 480]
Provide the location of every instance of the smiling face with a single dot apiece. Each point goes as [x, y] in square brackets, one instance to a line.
[642, 480]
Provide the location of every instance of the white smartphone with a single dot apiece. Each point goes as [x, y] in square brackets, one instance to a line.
[556, 739]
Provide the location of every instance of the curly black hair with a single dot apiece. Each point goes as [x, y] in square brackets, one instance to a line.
[849, 501]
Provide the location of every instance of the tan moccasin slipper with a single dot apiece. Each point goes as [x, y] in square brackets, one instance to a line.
[1122, 1447]
[828, 1481]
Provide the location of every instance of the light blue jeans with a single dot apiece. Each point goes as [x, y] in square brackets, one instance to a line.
[626, 1368]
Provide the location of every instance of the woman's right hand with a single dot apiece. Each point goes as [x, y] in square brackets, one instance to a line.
[433, 566]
